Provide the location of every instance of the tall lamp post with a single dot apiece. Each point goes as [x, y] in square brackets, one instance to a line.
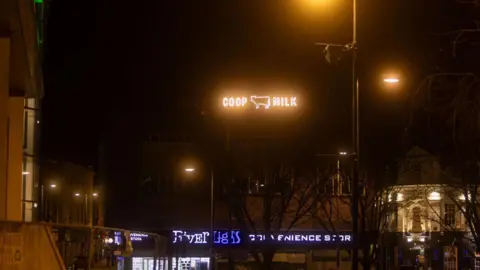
[88, 203]
[356, 131]
[355, 141]
[43, 207]
[212, 211]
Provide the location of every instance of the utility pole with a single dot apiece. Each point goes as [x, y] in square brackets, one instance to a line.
[355, 142]
[212, 219]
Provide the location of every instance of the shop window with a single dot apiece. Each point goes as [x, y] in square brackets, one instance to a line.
[449, 214]
[146, 263]
[477, 263]
[197, 263]
[450, 258]
[137, 263]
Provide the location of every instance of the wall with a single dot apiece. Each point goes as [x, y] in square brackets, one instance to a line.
[12, 194]
[20, 77]
[28, 246]
[15, 159]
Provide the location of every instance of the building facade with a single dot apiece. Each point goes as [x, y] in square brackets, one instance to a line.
[427, 227]
[68, 195]
[21, 87]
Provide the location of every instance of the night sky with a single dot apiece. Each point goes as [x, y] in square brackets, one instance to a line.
[143, 63]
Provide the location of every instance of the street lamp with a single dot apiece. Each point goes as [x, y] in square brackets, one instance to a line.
[42, 198]
[355, 132]
[212, 211]
[88, 212]
[391, 80]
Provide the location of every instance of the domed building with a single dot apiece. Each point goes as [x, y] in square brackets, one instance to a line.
[428, 226]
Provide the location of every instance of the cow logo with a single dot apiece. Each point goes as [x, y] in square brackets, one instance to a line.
[260, 101]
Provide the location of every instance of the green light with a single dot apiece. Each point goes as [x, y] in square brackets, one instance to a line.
[39, 1]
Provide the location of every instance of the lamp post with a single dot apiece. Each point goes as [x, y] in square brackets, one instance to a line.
[355, 142]
[42, 200]
[88, 213]
[212, 212]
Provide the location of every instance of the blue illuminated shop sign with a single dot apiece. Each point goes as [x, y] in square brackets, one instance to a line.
[235, 237]
[219, 237]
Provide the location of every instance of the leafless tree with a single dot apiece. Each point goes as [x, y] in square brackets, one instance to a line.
[467, 34]
[445, 118]
[376, 207]
[279, 198]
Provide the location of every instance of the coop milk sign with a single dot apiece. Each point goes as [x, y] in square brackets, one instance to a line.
[260, 102]
[10, 250]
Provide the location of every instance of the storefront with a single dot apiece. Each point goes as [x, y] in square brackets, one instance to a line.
[191, 250]
[147, 252]
[437, 250]
[295, 250]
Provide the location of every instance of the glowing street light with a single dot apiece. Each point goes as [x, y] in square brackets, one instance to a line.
[391, 80]
[53, 186]
[343, 153]
[95, 194]
[77, 194]
[189, 169]
[25, 173]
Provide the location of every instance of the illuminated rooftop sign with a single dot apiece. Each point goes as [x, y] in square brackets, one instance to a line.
[260, 102]
[235, 237]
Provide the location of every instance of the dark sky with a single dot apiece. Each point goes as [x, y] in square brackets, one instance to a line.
[152, 60]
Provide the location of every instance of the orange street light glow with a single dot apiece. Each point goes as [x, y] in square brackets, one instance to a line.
[189, 169]
[391, 80]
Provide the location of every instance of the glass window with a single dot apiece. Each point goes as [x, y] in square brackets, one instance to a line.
[137, 263]
[416, 220]
[190, 263]
[30, 137]
[450, 214]
[450, 258]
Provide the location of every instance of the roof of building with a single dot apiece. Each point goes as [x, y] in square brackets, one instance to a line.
[419, 167]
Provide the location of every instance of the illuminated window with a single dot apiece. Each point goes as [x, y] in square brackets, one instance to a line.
[434, 196]
[449, 214]
[450, 258]
[416, 220]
